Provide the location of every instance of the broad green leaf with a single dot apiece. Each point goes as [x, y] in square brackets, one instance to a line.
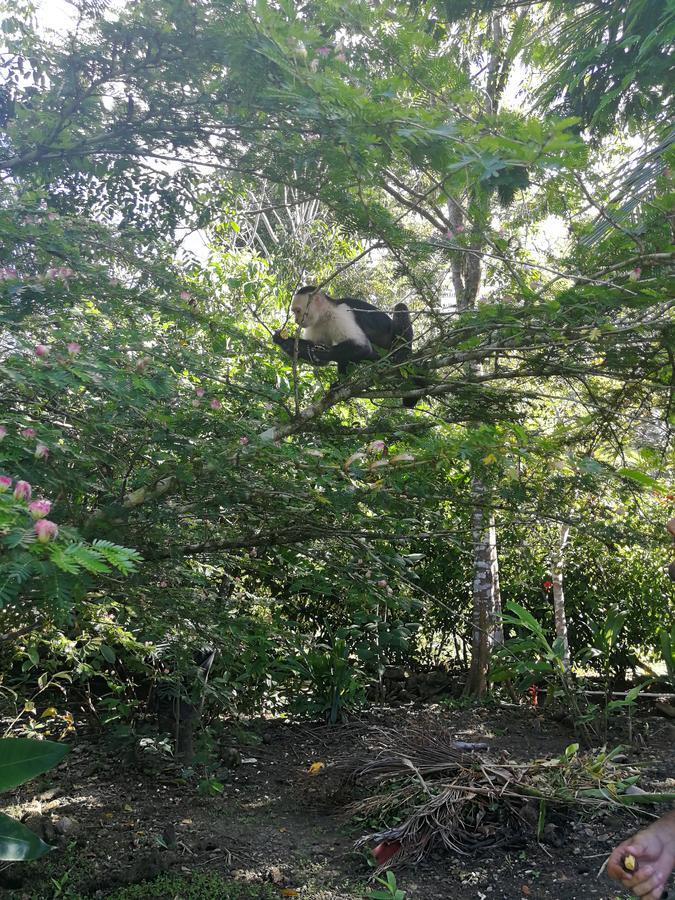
[22, 759]
[18, 843]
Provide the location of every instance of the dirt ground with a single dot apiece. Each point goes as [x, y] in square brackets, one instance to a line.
[126, 829]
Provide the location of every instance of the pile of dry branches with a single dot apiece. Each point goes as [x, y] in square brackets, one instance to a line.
[445, 793]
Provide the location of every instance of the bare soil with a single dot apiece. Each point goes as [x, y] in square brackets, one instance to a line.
[273, 832]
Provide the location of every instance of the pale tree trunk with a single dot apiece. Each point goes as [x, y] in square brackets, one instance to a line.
[496, 635]
[487, 629]
[466, 275]
[559, 593]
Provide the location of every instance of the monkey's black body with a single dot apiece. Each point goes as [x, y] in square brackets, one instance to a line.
[390, 333]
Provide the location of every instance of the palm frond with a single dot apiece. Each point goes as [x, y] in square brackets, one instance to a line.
[632, 190]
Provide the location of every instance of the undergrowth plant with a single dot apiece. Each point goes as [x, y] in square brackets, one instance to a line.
[530, 658]
[389, 890]
[330, 680]
[667, 639]
[20, 760]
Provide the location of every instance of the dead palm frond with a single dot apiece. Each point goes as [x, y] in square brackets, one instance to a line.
[443, 797]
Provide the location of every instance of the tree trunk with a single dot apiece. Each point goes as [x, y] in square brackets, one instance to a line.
[466, 270]
[496, 624]
[559, 594]
[487, 624]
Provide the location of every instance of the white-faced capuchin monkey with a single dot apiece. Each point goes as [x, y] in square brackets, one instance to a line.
[346, 330]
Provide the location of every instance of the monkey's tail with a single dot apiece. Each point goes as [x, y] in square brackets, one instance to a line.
[402, 338]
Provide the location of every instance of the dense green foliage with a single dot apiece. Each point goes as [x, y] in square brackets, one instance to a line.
[316, 537]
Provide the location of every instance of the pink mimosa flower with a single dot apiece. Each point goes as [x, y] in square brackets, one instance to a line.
[73, 348]
[41, 350]
[39, 508]
[5, 483]
[45, 530]
[28, 432]
[22, 491]
[41, 451]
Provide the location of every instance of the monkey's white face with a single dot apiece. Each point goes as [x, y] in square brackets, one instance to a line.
[305, 309]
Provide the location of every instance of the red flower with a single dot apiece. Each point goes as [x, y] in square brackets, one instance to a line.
[548, 585]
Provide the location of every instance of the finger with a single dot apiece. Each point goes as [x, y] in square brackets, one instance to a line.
[617, 855]
[615, 871]
[641, 850]
[657, 894]
[651, 888]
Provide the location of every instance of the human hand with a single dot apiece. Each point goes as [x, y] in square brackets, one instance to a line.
[654, 852]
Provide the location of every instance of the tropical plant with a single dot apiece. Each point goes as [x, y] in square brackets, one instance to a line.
[331, 682]
[668, 653]
[20, 760]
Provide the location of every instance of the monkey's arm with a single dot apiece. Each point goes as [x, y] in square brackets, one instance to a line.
[320, 355]
[316, 354]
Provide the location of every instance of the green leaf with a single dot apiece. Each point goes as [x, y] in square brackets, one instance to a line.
[641, 478]
[107, 653]
[18, 843]
[525, 618]
[22, 759]
[645, 799]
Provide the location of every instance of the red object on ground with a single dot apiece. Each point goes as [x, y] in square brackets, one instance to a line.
[384, 851]
[532, 691]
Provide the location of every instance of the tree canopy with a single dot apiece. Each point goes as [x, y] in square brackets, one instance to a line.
[502, 167]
